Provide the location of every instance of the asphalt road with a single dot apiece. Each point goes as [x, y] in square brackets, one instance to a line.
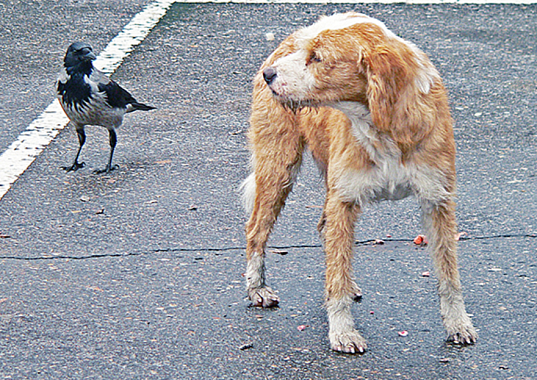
[138, 274]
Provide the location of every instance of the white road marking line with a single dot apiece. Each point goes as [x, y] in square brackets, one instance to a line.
[30, 143]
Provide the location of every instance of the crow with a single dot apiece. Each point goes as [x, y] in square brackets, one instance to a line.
[89, 97]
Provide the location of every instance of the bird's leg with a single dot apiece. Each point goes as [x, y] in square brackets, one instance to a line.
[113, 141]
[81, 140]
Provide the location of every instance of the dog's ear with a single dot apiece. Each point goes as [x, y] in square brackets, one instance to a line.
[387, 78]
[394, 91]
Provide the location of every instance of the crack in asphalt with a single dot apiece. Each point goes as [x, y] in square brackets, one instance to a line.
[242, 248]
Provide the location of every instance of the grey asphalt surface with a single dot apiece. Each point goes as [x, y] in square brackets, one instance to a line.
[138, 274]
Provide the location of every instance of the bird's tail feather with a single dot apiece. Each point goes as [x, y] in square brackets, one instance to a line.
[139, 107]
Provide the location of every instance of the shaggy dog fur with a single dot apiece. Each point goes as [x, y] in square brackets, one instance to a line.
[372, 109]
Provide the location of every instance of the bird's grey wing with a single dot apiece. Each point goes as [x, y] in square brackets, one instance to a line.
[116, 96]
[98, 77]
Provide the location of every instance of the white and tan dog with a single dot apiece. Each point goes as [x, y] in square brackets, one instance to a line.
[372, 109]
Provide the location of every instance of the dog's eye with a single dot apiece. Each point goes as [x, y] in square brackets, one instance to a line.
[313, 58]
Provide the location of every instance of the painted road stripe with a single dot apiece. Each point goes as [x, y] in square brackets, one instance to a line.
[23, 151]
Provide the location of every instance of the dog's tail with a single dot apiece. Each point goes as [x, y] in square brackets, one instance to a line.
[247, 190]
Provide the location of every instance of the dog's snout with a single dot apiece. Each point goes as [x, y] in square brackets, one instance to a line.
[269, 74]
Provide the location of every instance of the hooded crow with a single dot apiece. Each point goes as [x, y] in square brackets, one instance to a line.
[89, 97]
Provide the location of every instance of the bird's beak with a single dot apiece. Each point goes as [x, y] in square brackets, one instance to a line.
[87, 55]
[90, 56]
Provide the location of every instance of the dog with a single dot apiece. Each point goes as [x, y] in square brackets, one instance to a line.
[374, 113]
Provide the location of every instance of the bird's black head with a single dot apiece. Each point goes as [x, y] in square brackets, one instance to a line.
[78, 57]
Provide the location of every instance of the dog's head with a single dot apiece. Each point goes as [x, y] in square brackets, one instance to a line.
[351, 58]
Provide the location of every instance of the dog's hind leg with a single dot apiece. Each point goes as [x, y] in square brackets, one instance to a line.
[439, 221]
[276, 161]
[340, 287]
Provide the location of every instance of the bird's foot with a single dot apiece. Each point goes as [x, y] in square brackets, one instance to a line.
[74, 167]
[107, 169]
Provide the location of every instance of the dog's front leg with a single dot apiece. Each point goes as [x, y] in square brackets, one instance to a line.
[441, 227]
[340, 287]
[277, 161]
[269, 200]
[258, 292]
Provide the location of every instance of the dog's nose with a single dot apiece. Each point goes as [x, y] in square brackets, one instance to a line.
[269, 74]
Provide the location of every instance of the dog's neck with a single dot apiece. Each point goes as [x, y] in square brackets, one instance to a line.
[355, 111]
[378, 147]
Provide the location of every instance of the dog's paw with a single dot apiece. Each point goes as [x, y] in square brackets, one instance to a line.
[461, 331]
[349, 342]
[263, 297]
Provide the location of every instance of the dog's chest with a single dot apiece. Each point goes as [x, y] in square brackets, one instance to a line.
[387, 178]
